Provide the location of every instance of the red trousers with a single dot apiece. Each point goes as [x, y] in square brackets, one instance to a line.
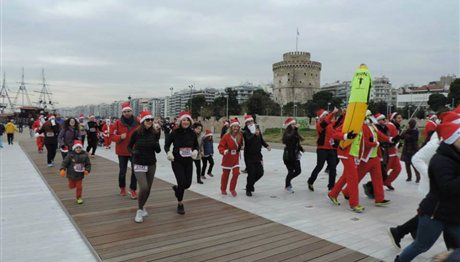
[107, 141]
[372, 166]
[224, 179]
[76, 184]
[395, 165]
[40, 141]
[349, 177]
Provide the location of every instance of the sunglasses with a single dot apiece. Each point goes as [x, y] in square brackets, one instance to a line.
[127, 111]
[148, 120]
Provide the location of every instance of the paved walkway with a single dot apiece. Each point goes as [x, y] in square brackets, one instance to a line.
[34, 227]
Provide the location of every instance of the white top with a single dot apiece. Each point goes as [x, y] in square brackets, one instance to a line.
[421, 160]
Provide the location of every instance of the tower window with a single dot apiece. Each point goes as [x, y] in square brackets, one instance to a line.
[301, 82]
[289, 79]
[304, 74]
[288, 74]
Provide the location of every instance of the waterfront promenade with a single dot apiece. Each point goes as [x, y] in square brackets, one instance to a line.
[43, 222]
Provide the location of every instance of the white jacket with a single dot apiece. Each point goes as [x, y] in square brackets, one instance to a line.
[421, 160]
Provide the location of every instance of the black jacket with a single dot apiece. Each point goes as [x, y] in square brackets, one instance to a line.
[91, 129]
[2, 129]
[181, 137]
[73, 159]
[252, 146]
[143, 148]
[442, 202]
[51, 132]
[291, 140]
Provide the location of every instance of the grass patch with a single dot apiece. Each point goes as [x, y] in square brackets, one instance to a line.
[275, 135]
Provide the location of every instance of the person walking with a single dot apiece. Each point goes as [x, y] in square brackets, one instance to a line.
[438, 211]
[292, 152]
[410, 147]
[51, 131]
[208, 151]
[10, 129]
[121, 134]
[2, 130]
[68, 134]
[185, 147]
[39, 138]
[430, 127]
[92, 129]
[325, 151]
[253, 142]
[198, 128]
[76, 166]
[143, 146]
[106, 129]
[82, 129]
[230, 147]
[394, 163]
[224, 129]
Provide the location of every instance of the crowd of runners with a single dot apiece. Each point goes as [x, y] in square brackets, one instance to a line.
[374, 151]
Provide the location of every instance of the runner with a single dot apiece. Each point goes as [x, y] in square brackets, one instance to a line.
[394, 164]
[430, 127]
[208, 151]
[2, 130]
[51, 131]
[143, 145]
[39, 138]
[91, 128]
[185, 148]
[121, 134]
[67, 136]
[76, 165]
[198, 128]
[106, 128]
[253, 142]
[10, 129]
[81, 122]
[292, 152]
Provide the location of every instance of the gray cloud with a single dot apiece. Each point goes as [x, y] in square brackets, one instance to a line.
[100, 51]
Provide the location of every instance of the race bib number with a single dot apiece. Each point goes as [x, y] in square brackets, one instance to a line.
[331, 141]
[92, 129]
[140, 168]
[185, 151]
[233, 152]
[49, 134]
[79, 167]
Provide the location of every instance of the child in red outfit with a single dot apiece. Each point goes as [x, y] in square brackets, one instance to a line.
[76, 165]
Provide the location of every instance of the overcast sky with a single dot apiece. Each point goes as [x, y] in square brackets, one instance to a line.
[100, 51]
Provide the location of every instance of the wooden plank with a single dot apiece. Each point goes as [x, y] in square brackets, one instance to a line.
[210, 231]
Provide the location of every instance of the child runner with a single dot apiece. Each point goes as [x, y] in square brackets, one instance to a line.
[76, 165]
[208, 151]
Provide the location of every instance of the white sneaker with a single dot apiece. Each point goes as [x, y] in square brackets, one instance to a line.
[139, 218]
[289, 189]
[144, 212]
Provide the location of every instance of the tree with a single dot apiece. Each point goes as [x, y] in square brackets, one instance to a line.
[197, 102]
[420, 113]
[218, 106]
[437, 101]
[325, 99]
[454, 92]
[378, 107]
[261, 103]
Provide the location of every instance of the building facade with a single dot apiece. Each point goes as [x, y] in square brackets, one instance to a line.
[338, 89]
[296, 78]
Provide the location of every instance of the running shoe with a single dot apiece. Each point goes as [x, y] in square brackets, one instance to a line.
[79, 201]
[289, 189]
[211, 175]
[139, 217]
[310, 186]
[223, 192]
[383, 203]
[334, 200]
[144, 212]
[180, 209]
[122, 191]
[394, 237]
[133, 194]
[358, 209]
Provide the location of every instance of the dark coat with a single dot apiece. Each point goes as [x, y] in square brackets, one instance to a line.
[442, 202]
[410, 146]
[71, 160]
[68, 136]
[51, 132]
[143, 148]
[292, 148]
[252, 146]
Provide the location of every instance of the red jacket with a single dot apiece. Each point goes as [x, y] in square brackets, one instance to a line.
[36, 126]
[430, 127]
[230, 148]
[368, 145]
[393, 131]
[118, 128]
[325, 132]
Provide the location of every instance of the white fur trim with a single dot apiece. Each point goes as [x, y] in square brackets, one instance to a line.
[324, 113]
[234, 124]
[248, 119]
[126, 108]
[146, 117]
[290, 123]
[77, 145]
[450, 140]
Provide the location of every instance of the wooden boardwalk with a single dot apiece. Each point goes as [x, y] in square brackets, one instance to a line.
[209, 231]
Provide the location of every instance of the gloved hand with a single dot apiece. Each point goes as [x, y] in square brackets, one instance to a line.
[86, 173]
[395, 139]
[371, 139]
[170, 156]
[62, 172]
[225, 152]
[195, 154]
[350, 135]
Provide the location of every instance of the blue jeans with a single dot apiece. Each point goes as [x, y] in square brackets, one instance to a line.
[1, 140]
[428, 232]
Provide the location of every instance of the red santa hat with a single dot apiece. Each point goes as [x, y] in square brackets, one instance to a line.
[321, 113]
[64, 149]
[207, 133]
[77, 143]
[289, 121]
[226, 122]
[91, 116]
[234, 122]
[145, 115]
[248, 118]
[126, 107]
[391, 116]
[457, 110]
[82, 115]
[450, 117]
[184, 115]
[432, 116]
[51, 117]
[449, 132]
[379, 116]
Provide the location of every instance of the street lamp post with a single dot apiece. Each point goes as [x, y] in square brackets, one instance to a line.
[191, 96]
[201, 112]
[295, 110]
[227, 106]
[328, 104]
[170, 101]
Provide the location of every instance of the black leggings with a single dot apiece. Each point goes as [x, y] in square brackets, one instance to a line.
[255, 172]
[183, 171]
[323, 155]
[198, 169]
[92, 144]
[10, 138]
[123, 165]
[51, 151]
[294, 170]
[205, 163]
